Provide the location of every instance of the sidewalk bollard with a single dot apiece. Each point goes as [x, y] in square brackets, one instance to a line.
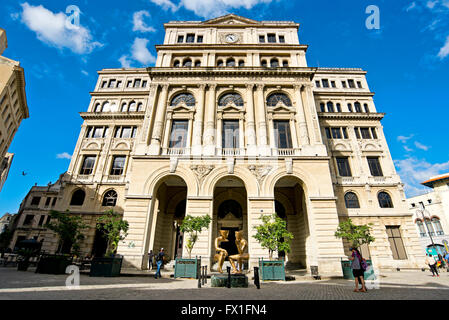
[229, 276]
[205, 274]
[199, 276]
[256, 277]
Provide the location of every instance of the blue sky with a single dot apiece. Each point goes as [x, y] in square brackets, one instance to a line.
[407, 62]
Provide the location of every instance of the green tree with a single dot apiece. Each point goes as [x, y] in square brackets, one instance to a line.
[273, 235]
[356, 235]
[114, 228]
[70, 229]
[192, 226]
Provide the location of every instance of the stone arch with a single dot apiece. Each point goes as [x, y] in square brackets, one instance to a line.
[178, 93]
[305, 179]
[249, 180]
[238, 101]
[156, 178]
[271, 94]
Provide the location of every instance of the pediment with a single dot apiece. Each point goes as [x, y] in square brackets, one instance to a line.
[231, 107]
[181, 107]
[231, 19]
[280, 107]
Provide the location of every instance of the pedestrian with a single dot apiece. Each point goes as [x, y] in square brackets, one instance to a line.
[150, 260]
[432, 263]
[159, 262]
[358, 267]
[446, 259]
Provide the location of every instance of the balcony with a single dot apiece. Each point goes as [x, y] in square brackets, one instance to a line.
[285, 152]
[176, 151]
[229, 152]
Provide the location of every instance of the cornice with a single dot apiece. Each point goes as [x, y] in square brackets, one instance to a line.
[227, 46]
[112, 115]
[120, 93]
[318, 93]
[350, 116]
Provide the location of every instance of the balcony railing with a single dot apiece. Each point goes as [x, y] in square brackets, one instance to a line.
[285, 152]
[176, 151]
[232, 152]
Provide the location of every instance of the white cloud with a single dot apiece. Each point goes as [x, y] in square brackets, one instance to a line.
[85, 72]
[63, 155]
[125, 62]
[421, 146]
[139, 24]
[140, 52]
[444, 51]
[431, 4]
[52, 29]
[413, 171]
[411, 6]
[408, 149]
[404, 139]
[208, 8]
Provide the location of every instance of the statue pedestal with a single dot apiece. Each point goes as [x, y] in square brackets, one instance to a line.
[237, 281]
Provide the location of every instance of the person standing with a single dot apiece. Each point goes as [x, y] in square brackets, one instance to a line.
[432, 263]
[357, 270]
[159, 262]
[150, 260]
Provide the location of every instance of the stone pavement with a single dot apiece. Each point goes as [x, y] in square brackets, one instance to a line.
[403, 285]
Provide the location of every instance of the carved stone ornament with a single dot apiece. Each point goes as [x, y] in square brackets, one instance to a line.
[201, 171]
[260, 171]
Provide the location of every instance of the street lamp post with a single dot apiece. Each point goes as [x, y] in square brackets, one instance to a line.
[423, 208]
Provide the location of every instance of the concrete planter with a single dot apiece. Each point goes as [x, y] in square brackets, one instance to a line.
[106, 267]
[53, 264]
[272, 269]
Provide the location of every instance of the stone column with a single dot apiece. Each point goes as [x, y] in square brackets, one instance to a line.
[300, 118]
[159, 122]
[198, 122]
[261, 122]
[293, 132]
[250, 121]
[189, 131]
[241, 132]
[271, 129]
[209, 130]
[168, 125]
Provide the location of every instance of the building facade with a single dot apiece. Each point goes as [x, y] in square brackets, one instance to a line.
[232, 122]
[5, 165]
[13, 103]
[432, 222]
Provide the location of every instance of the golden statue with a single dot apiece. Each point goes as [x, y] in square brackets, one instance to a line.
[241, 247]
[220, 253]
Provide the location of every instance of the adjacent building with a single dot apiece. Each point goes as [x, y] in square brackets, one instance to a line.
[233, 123]
[13, 103]
[432, 223]
[5, 165]
[5, 222]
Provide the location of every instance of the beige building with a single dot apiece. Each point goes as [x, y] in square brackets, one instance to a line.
[5, 165]
[13, 103]
[232, 122]
[432, 223]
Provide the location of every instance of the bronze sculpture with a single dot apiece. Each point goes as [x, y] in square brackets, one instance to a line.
[220, 253]
[241, 244]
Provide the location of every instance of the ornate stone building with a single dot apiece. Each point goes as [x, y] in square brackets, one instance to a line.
[233, 123]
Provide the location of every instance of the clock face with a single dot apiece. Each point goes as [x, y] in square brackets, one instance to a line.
[231, 38]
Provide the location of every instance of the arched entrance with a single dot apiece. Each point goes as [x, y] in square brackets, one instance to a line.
[168, 212]
[290, 205]
[229, 212]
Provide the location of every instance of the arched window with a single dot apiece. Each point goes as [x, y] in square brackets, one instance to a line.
[187, 63]
[106, 107]
[352, 201]
[366, 108]
[132, 106]
[230, 62]
[264, 63]
[350, 107]
[384, 200]
[241, 63]
[220, 63]
[124, 107]
[78, 198]
[274, 63]
[176, 64]
[437, 226]
[97, 108]
[322, 107]
[338, 107]
[139, 107]
[358, 107]
[110, 199]
[230, 97]
[430, 226]
[330, 107]
[285, 63]
[274, 98]
[422, 230]
[187, 98]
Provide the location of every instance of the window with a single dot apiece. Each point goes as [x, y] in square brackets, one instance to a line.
[96, 132]
[176, 64]
[125, 132]
[178, 137]
[190, 38]
[384, 200]
[112, 83]
[318, 84]
[53, 202]
[41, 220]
[273, 99]
[88, 165]
[187, 63]
[262, 39]
[366, 108]
[220, 63]
[328, 133]
[349, 107]
[137, 83]
[230, 62]
[47, 201]
[359, 84]
[118, 165]
[358, 107]
[281, 39]
[104, 84]
[230, 98]
[144, 83]
[78, 198]
[373, 132]
[343, 84]
[264, 63]
[396, 244]
[365, 133]
[338, 107]
[429, 227]
[325, 83]
[343, 167]
[199, 39]
[333, 85]
[271, 38]
[28, 219]
[230, 133]
[110, 199]
[119, 84]
[421, 228]
[132, 106]
[187, 98]
[274, 63]
[197, 63]
[241, 63]
[180, 39]
[330, 107]
[282, 134]
[129, 83]
[374, 167]
[437, 226]
[285, 64]
[336, 133]
[351, 84]
[352, 201]
[35, 201]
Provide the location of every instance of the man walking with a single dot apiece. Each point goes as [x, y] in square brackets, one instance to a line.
[432, 263]
[159, 262]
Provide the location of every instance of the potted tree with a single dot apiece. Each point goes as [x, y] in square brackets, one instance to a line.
[70, 230]
[115, 229]
[188, 268]
[356, 235]
[273, 235]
